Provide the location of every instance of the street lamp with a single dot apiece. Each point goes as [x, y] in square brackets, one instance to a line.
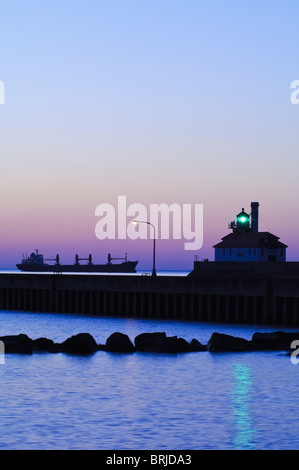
[154, 274]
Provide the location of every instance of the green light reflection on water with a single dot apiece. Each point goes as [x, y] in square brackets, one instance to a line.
[242, 384]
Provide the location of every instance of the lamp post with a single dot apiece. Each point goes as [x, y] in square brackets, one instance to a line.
[154, 274]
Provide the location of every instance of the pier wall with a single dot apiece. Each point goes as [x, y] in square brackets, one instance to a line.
[217, 298]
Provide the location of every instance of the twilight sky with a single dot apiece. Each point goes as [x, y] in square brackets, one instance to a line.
[162, 101]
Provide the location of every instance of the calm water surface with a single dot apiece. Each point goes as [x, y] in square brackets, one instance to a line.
[144, 401]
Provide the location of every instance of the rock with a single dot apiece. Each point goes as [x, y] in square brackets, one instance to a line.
[120, 343]
[19, 344]
[160, 343]
[21, 338]
[82, 343]
[173, 344]
[220, 342]
[196, 346]
[150, 342]
[44, 344]
[277, 340]
[17, 348]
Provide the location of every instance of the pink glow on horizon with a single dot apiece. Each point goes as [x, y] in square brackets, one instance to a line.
[68, 229]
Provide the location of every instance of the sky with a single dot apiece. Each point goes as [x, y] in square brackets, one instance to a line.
[160, 101]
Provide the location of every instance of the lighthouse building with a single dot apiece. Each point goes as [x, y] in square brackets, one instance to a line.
[246, 243]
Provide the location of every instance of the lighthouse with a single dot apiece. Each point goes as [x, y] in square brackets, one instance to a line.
[246, 243]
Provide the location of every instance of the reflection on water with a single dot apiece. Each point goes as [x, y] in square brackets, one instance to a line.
[242, 381]
[144, 401]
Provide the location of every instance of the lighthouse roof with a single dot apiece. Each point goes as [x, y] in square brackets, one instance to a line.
[250, 240]
[243, 213]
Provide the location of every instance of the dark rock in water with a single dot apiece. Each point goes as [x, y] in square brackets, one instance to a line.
[160, 343]
[17, 348]
[19, 344]
[120, 343]
[150, 342]
[220, 342]
[173, 344]
[20, 339]
[197, 346]
[277, 340]
[43, 344]
[82, 343]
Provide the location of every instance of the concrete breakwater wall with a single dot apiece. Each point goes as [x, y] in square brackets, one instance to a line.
[227, 299]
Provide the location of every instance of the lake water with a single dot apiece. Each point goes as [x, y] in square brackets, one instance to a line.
[140, 401]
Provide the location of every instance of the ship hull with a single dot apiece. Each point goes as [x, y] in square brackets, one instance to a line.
[126, 267]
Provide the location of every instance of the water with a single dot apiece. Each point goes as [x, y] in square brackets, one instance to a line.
[144, 401]
[143, 272]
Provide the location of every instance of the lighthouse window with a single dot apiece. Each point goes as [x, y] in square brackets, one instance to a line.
[249, 252]
[223, 251]
[230, 251]
[262, 251]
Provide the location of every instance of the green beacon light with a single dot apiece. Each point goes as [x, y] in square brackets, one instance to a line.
[243, 221]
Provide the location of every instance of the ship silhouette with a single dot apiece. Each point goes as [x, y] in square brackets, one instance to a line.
[36, 263]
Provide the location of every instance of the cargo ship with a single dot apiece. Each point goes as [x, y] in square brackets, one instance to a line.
[36, 263]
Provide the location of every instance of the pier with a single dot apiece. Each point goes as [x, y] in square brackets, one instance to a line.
[246, 293]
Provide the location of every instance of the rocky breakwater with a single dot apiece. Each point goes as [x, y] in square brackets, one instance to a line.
[151, 342]
[277, 340]
[157, 342]
[84, 343]
[160, 343]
